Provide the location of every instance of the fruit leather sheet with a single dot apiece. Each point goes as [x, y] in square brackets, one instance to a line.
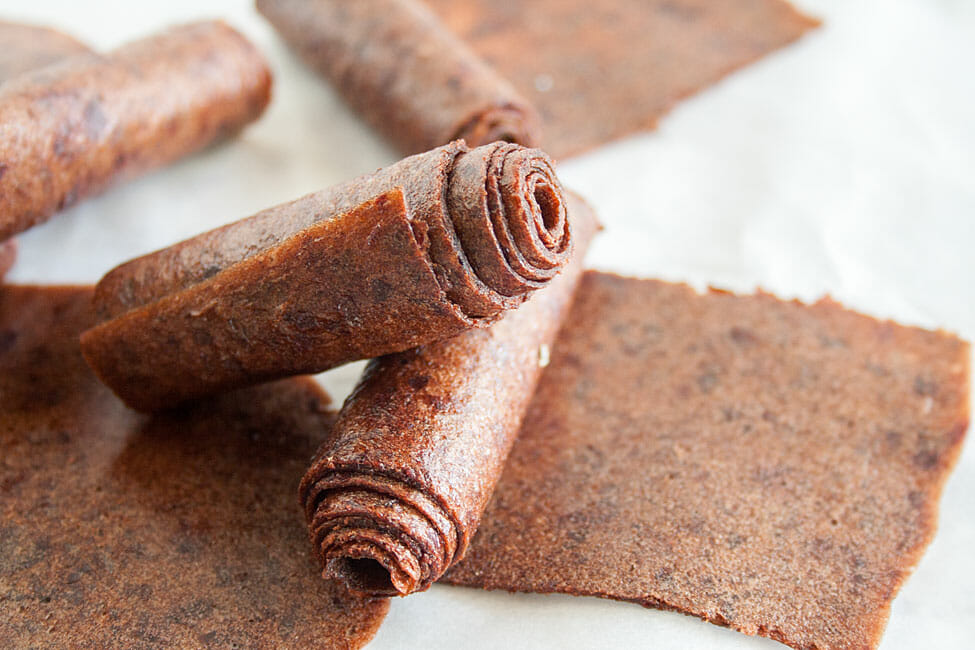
[764, 465]
[120, 530]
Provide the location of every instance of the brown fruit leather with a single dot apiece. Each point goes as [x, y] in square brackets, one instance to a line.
[393, 498]
[417, 252]
[404, 72]
[68, 131]
[119, 530]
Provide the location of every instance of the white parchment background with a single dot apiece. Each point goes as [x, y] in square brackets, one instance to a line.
[844, 164]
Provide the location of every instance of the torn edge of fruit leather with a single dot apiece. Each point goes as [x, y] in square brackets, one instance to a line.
[121, 530]
[393, 497]
[764, 465]
[404, 72]
[565, 75]
[417, 252]
[71, 129]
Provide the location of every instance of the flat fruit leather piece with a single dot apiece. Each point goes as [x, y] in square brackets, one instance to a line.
[69, 130]
[393, 498]
[589, 72]
[419, 251]
[598, 71]
[404, 72]
[120, 531]
[28, 47]
[761, 464]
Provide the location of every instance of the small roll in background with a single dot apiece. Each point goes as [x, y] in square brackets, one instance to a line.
[394, 496]
[69, 130]
[409, 76]
[417, 252]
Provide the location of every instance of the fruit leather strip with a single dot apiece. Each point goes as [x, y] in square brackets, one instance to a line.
[25, 48]
[408, 76]
[394, 497]
[598, 71]
[69, 130]
[8, 255]
[28, 47]
[761, 464]
[415, 253]
[120, 530]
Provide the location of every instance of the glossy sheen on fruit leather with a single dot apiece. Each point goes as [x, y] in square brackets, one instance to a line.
[404, 72]
[8, 255]
[300, 289]
[28, 47]
[761, 464]
[598, 71]
[69, 130]
[122, 531]
[421, 442]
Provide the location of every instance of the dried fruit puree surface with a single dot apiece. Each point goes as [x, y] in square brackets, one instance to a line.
[120, 530]
[598, 71]
[762, 464]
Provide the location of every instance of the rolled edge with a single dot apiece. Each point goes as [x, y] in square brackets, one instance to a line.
[506, 209]
[375, 533]
[515, 122]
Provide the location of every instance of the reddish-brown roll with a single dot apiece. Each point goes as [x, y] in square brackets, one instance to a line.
[393, 498]
[417, 252]
[69, 130]
[28, 47]
[404, 72]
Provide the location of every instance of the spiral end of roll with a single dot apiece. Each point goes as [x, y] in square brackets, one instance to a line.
[376, 534]
[508, 212]
[513, 123]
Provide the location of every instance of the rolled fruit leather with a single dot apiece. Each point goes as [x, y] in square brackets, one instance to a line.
[394, 496]
[409, 76]
[25, 48]
[69, 130]
[417, 252]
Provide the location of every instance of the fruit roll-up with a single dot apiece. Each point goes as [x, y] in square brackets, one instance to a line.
[70, 129]
[417, 252]
[404, 72]
[393, 498]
